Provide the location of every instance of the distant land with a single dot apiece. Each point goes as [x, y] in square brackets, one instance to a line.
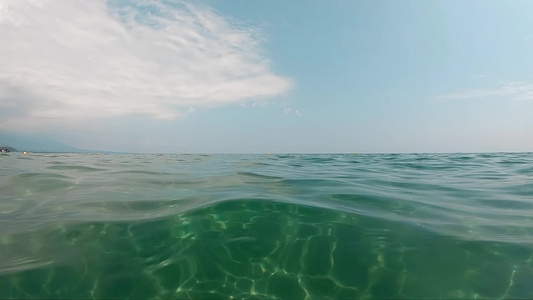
[31, 143]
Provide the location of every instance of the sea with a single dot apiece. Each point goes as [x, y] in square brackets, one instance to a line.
[278, 226]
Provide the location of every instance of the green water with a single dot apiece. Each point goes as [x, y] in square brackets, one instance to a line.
[399, 226]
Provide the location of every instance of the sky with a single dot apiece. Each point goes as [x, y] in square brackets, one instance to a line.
[274, 76]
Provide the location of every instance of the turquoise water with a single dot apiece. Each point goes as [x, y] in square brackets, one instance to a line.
[266, 226]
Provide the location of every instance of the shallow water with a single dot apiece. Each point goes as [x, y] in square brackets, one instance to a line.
[266, 226]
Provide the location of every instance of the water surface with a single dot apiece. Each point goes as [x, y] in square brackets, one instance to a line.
[266, 226]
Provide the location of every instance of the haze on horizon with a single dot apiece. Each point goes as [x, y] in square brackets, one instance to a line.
[271, 76]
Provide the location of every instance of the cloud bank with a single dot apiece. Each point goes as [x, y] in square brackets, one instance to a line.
[81, 60]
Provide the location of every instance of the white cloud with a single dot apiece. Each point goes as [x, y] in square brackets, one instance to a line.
[513, 90]
[79, 59]
[288, 110]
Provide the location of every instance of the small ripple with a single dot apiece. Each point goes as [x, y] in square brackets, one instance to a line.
[257, 176]
[75, 168]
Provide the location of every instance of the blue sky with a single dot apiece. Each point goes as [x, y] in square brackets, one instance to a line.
[270, 76]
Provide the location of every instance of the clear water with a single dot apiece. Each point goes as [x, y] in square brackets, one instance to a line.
[266, 226]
